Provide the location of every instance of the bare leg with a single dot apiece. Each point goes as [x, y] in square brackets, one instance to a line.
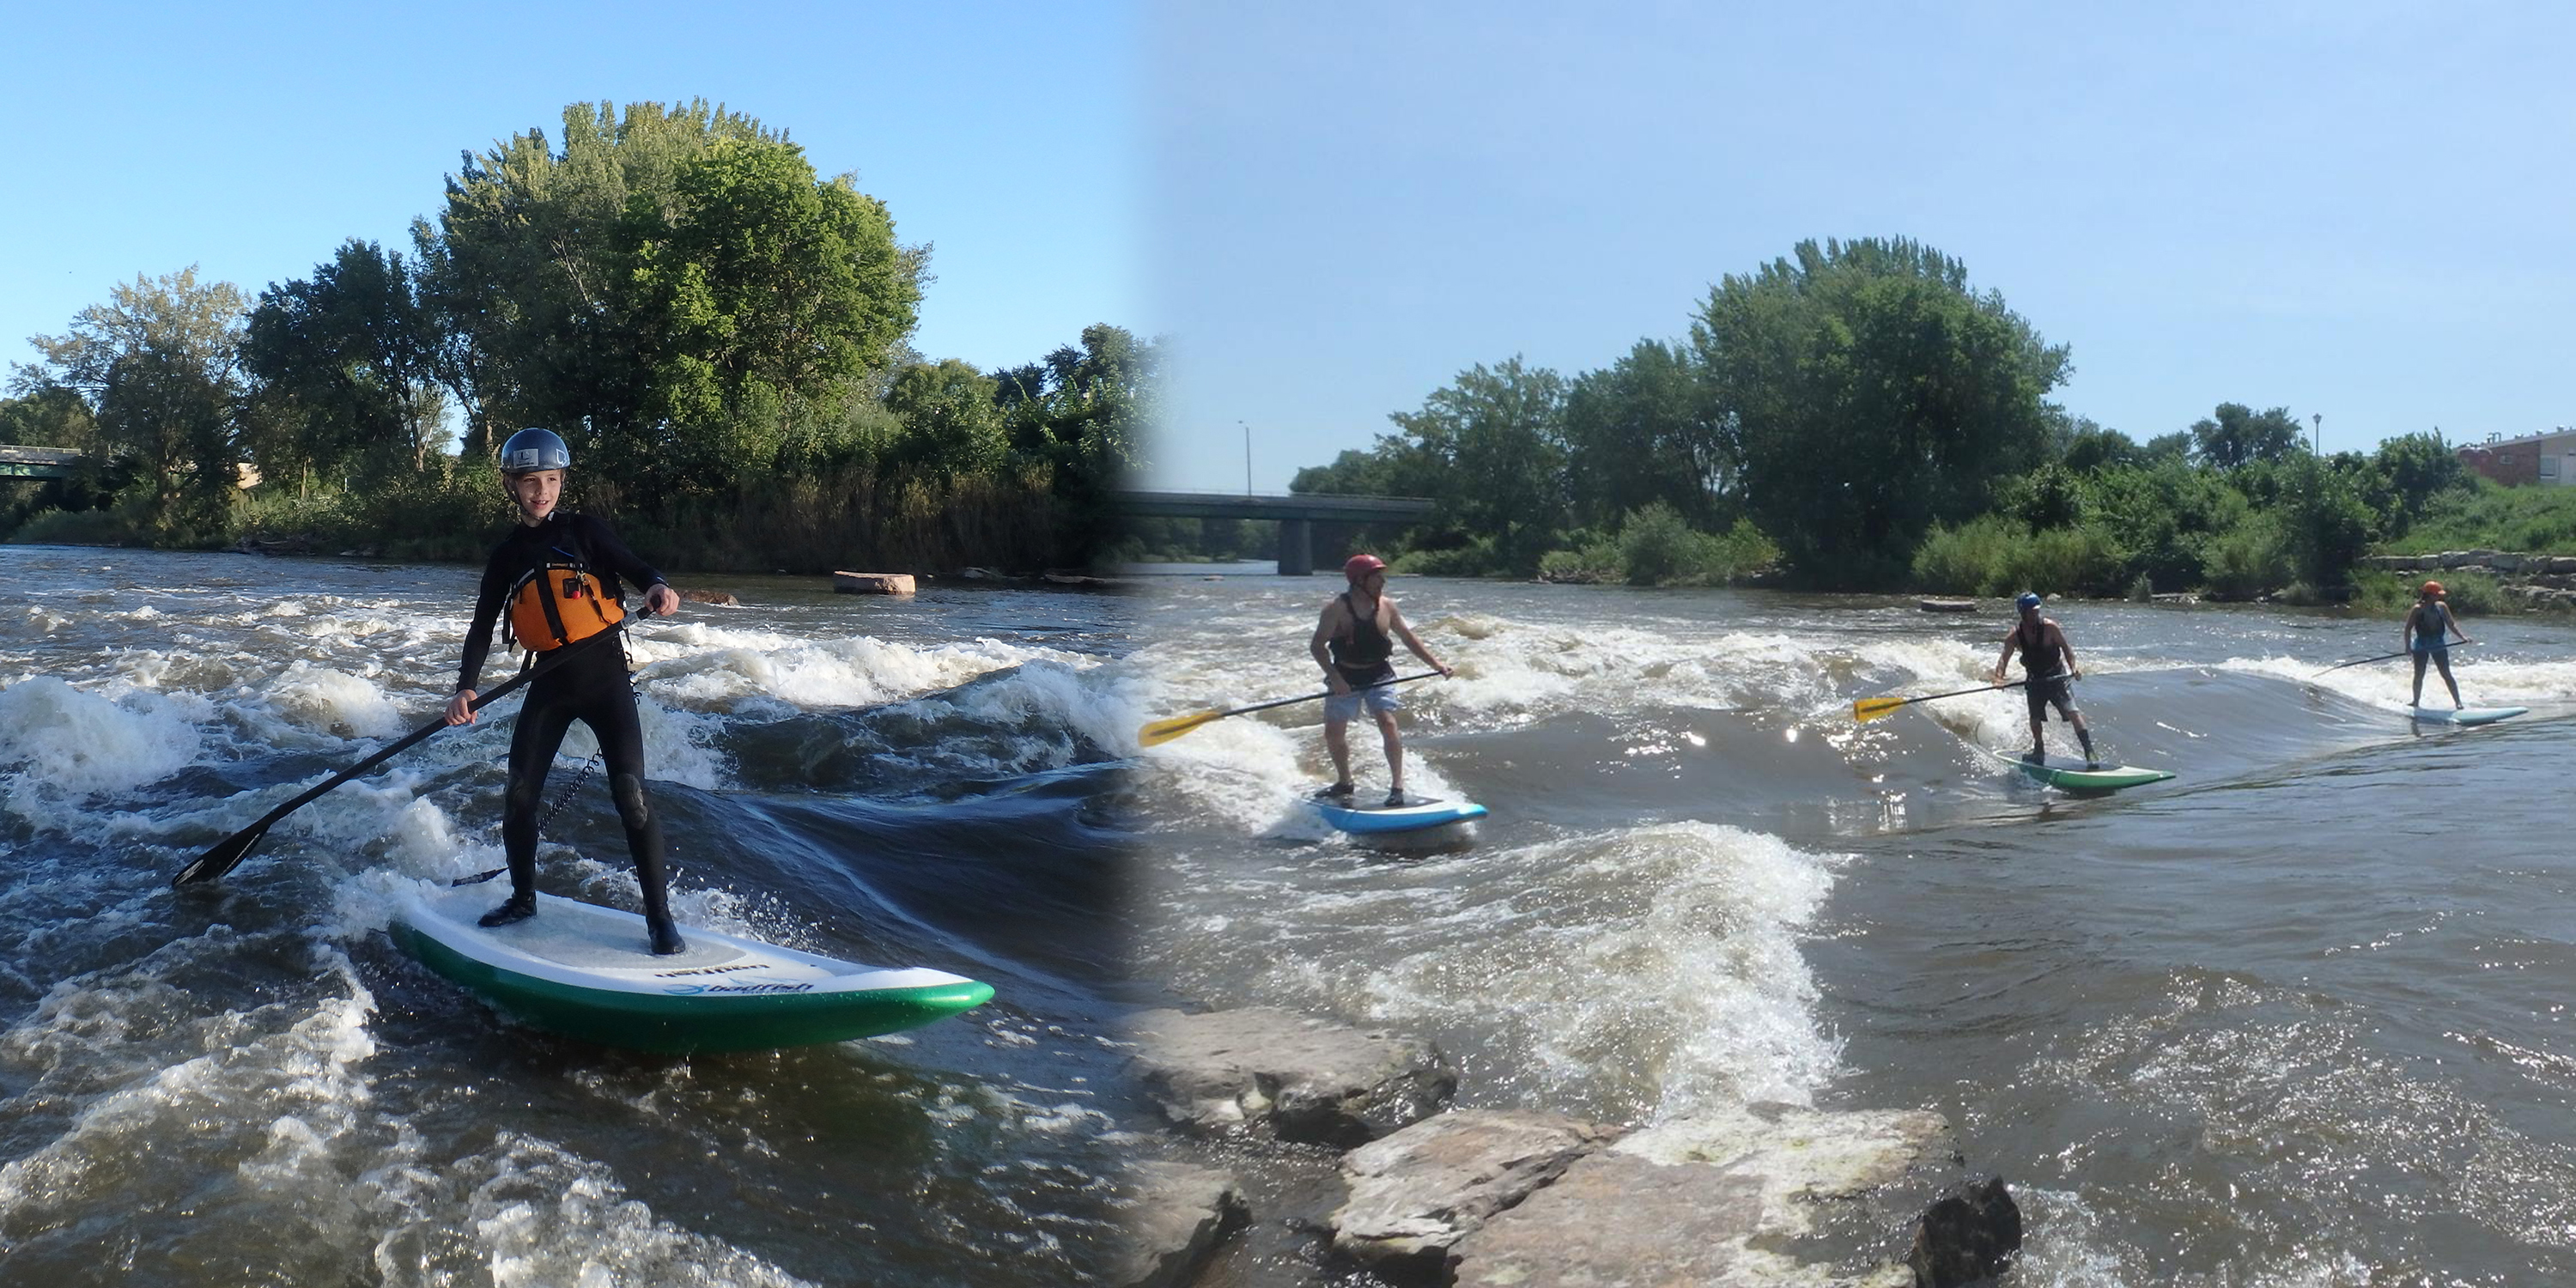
[1394, 750]
[2083, 735]
[2442, 660]
[2038, 737]
[2420, 657]
[1337, 741]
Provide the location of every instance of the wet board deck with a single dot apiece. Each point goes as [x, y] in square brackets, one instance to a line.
[2069, 776]
[589, 972]
[1378, 820]
[2467, 715]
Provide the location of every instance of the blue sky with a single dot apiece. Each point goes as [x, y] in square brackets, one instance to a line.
[2359, 210]
[252, 139]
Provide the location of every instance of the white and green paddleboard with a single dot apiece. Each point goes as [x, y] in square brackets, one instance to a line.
[2466, 715]
[2071, 776]
[589, 972]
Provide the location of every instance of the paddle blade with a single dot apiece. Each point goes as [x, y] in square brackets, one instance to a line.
[1163, 731]
[1868, 709]
[226, 855]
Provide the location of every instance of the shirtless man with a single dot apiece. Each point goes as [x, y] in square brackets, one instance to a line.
[1355, 644]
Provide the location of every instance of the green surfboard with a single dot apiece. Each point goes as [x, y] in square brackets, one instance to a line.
[589, 972]
[2071, 776]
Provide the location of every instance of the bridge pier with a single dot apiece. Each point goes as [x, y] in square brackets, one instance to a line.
[1296, 547]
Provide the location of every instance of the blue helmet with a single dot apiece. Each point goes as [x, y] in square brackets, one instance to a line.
[535, 449]
[2028, 601]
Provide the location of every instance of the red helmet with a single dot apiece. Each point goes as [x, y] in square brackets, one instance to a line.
[2431, 588]
[1358, 566]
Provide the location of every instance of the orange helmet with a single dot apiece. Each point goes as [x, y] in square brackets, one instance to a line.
[2431, 588]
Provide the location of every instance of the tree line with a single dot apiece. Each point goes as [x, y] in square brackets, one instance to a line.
[714, 328]
[1856, 416]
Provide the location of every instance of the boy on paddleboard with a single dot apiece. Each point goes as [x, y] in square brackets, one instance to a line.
[2049, 671]
[1355, 644]
[2423, 637]
[556, 575]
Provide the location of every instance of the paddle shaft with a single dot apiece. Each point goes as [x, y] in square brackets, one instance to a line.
[406, 743]
[1286, 702]
[2391, 657]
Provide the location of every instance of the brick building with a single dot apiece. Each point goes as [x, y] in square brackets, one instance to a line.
[2548, 460]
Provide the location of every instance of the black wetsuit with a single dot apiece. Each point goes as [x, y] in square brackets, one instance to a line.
[590, 686]
[1366, 657]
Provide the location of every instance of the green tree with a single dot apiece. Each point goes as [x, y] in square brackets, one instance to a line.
[344, 367]
[2236, 435]
[951, 423]
[673, 289]
[2407, 473]
[2175, 446]
[1494, 444]
[1870, 394]
[1083, 414]
[2088, 447]
[1641, 433]
[157, 364]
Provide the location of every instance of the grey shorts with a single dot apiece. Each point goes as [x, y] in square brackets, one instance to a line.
[1378, 699]
[2043, 694]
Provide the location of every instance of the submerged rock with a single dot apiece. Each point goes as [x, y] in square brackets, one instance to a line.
[1417, 1192]
[1761, 1194]
[1618, 1219]
[1966, 1236]
[1304, 1079]
[1176, 1216]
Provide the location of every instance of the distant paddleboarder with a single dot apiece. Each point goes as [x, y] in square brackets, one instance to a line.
[555, 577]
[2423, 637]
[2049, 671]
[1355, 644]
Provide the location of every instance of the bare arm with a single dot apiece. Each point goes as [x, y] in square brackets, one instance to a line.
[1396, 626]
[1323, 635]
[2004, 660]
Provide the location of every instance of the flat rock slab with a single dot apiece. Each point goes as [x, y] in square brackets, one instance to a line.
[1416, 1193]
[1618, 1221]
[872, 583]
[1805, 1158]
[1304, 1079]
[1176, 1215]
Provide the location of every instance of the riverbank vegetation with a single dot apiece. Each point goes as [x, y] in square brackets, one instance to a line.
[719, 333]
[1856, 416]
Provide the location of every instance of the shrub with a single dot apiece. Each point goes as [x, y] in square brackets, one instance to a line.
[2246, 561]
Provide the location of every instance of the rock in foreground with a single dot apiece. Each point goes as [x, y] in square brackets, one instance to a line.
[1176, 1216]
[1414, 1194]
[1303, 1079]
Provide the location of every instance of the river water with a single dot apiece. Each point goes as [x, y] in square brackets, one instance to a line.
[247, 1083]
[2297, 1017]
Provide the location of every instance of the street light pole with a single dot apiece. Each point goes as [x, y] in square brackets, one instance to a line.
[2317, 446]
[1247, 458]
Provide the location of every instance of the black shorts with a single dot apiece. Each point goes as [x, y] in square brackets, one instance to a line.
[2043, 693]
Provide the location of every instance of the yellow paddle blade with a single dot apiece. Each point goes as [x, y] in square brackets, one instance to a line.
[1868, 709]
[1163, 731]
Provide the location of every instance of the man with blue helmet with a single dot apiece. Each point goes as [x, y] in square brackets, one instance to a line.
[2049, 672]
[552, 582]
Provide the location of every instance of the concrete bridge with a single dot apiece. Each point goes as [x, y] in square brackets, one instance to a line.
[1296, 514]
[36, 462]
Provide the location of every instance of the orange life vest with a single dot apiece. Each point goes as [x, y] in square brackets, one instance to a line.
[558, 604]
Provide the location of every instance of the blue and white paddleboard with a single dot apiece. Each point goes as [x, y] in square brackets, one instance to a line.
[2467, 715]
[1419, 814]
